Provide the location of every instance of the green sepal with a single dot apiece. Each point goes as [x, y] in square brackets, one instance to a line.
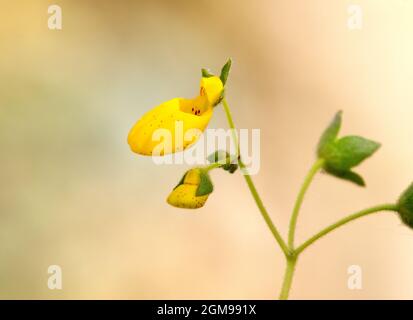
[205, 185]
[219, 156]
[225, 71]
[405, 206]
[181, 181]
[206, 73]
[342, 154]
[348, 175]
[349, 152]
[329, 135]
[231, 167]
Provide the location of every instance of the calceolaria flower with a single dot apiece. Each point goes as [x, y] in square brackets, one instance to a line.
[405, 206]
[192, 191]
[182, 121]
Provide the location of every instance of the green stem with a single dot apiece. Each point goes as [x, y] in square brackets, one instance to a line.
[292, 259]
[231, 125]
[288, 278]
[293, 222]
[362, 213]
[251, 185]
[263, 211]
[212, 166]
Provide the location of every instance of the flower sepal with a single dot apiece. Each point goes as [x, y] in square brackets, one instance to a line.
[223, 77]
[224, 158]
[405, 206]
[343, 154]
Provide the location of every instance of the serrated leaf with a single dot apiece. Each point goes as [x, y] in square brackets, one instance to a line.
[329, 135]
[225, 71]
[206, 73]
[205, 185]
[349, 151]
[347, 175]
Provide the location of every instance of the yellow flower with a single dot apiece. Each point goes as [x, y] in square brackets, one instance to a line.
[182, 121]
[193, 190]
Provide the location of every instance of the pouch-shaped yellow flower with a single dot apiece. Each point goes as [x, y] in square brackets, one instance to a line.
[176, 124]
[192, 191]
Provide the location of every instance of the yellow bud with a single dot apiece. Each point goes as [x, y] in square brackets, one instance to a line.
[193, 177]
[184, 196]
[187, 194]
[212, 87]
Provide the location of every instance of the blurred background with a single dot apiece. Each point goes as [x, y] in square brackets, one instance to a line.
[72, 194]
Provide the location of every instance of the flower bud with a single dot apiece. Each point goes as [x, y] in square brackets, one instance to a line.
[192, 191]
[405, 206]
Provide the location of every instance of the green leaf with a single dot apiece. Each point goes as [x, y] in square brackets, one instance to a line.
[329, 135]
[206, 73]
[225, 71]
[349, 151]
[347, 175]
[205, 186]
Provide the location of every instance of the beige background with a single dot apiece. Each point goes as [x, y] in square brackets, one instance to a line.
[72, 194]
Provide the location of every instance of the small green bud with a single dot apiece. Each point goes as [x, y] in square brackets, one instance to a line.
[342, 154]
[405, 206]
[230, 167]
[224, 158]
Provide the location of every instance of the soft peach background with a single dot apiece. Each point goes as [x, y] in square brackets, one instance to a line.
[72, 194]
